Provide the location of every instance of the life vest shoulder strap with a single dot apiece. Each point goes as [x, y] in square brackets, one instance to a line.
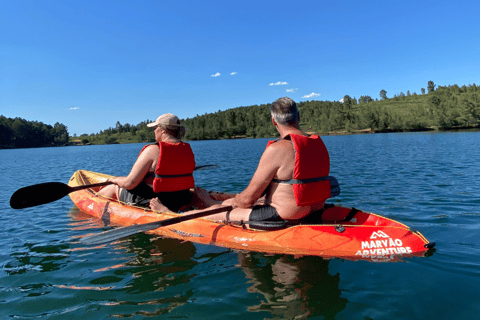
[273, 141]
[302, 181]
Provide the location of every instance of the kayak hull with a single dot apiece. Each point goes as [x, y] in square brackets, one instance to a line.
[366, 236]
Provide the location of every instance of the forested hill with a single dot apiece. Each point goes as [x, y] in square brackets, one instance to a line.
[444, 108]
[20, 133]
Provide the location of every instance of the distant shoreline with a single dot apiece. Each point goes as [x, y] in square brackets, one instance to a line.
[370, 131]
[332, 133]
[342, 133]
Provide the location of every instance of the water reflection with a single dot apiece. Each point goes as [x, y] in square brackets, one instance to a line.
[34, 257]
[160, 278]
[293, 288]
[159, 269]
[151, 277]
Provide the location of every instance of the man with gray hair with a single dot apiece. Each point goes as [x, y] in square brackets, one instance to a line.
[292, 175]
[284, 111]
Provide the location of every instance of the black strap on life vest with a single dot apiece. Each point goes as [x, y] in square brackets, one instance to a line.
[334, 185]
[169, 175]
[351, 214]
[302, 181]
[173, 175]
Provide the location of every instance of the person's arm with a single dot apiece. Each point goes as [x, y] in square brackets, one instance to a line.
[139, 169]
[267, 167]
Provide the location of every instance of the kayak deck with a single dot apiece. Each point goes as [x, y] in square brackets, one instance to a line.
[338, 232]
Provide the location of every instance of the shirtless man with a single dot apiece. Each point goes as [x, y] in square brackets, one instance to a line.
[274, 173]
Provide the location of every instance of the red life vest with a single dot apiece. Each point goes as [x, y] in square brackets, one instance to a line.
[311, 182]
[175, 167]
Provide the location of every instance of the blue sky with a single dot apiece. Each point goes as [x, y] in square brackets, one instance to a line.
[88, 64]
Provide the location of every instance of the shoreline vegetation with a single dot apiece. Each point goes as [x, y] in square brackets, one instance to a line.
[445, 108]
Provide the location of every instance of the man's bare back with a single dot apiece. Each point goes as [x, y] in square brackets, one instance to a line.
[281, 196]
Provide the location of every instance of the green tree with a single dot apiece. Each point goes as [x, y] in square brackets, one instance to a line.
[471, 110]
[6, 133]
[336, 116]
[430, 86]
[202, 122]
[60, 134]
[348, 111]
[383, 94]
[367, 118]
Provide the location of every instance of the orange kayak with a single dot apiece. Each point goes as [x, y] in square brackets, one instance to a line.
[338, 232]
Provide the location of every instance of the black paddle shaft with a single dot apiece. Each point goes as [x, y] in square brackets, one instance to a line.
[45, 193]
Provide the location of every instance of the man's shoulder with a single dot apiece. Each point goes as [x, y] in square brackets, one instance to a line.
[153, 146]
[280, 145]
[281, 149]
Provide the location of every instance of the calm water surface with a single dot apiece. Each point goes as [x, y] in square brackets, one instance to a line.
[429, 181]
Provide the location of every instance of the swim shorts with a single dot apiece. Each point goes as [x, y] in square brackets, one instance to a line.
[265, 217]
[143, 193]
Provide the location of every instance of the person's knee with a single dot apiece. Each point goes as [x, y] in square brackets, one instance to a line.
[107, 191]
[240, 214]
[228, 202]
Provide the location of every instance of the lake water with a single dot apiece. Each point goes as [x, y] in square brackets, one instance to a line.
[429, 181]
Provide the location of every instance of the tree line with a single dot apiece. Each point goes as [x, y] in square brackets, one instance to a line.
[20, 133]
[446, 107]
[121, 133]
[442, 108]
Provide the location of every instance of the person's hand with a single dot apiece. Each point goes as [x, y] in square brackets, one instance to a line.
[234, 205]
[239, 202]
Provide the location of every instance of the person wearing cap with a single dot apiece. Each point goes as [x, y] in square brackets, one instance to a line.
[291, 181]
[163, 170]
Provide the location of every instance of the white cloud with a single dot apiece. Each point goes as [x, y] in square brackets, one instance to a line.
[292, 90]
[341, 100]
[233, 73]
[313, 94]
[279, 83]
[215, 75]
[76, 108]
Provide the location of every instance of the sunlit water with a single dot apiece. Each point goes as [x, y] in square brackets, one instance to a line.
[429, 181]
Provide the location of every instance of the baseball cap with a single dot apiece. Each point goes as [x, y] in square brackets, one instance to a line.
[167, 119]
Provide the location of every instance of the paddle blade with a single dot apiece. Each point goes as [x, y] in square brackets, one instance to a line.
[38, 194]
[118, 233]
